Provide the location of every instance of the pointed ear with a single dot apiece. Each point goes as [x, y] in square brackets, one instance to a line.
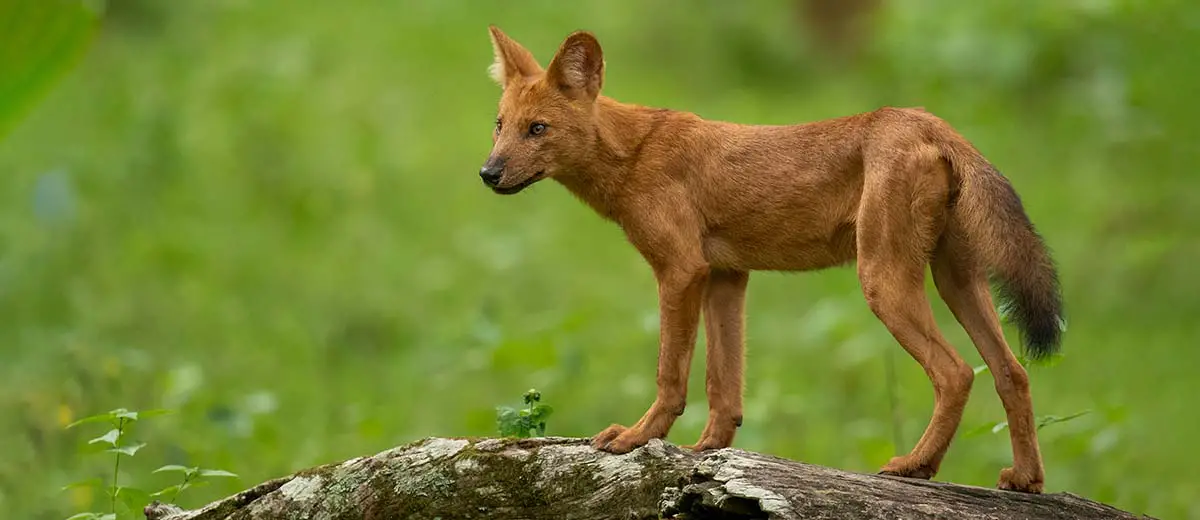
[578, 67]
[512, 60]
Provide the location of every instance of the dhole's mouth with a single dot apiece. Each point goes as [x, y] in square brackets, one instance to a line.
[518, 187]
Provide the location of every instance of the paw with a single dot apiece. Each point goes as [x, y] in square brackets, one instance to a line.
[718, 433]
[619, 439]
[600, 440]
[711, 442]
[704, 445]
[1010, 480]
[907, 466]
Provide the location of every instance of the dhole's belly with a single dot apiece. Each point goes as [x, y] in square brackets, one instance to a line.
[778, 248]
[784, 221]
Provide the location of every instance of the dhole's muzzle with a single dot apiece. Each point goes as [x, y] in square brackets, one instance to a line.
[494, 176]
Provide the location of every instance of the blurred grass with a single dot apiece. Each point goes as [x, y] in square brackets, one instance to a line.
[265, 215]
[42, 40]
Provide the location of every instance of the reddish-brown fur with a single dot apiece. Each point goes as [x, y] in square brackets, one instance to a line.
[706, 202]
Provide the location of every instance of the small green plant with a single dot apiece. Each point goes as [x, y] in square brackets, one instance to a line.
[1041, 420]
[192, 477]
[526, 421]
[120, 419]
[134, 499]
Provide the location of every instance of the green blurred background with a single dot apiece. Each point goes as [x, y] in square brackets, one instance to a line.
[265, 216]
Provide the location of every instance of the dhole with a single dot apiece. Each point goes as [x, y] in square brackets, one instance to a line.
[706, 202]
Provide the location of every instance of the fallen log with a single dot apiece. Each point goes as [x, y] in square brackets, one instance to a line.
[565, 479]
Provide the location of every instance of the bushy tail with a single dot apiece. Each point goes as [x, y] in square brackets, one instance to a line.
[1001, 235]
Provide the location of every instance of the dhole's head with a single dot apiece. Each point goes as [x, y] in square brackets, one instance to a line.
[545, 120]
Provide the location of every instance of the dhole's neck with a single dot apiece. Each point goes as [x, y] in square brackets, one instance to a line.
[619, 134]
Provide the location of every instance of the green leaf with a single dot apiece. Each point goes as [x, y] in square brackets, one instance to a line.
[133, 498]
[988, 427]
[121, 413]
[177, 468]
[1047, 420]
[46, 42]
[100, 417]
[976, 431]
[169, 490]
[129, 450]
[190, 484]
[107, 516]
[111, 437]
[83, 483]
[508, 422]
[216, 473]
[84, 516]
[537, 418]
[981, 369]
[540, 412]
[1047, 362]
[146, 414]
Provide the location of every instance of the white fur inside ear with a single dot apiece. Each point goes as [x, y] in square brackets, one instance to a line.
[496, 70]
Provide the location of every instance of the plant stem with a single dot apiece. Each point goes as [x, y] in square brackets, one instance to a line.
[117, 465]
[186, 477]
[532, 425]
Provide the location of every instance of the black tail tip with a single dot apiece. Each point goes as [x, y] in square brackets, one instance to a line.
[1040, 323]
[1041, 335]
[1042, 344]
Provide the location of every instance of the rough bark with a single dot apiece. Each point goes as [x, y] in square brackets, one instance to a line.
[564, 479]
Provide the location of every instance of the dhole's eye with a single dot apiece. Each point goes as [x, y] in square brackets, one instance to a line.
[498, 126]
[537, 128]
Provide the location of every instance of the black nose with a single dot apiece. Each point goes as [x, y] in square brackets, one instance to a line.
[491, 172]
[491, 175]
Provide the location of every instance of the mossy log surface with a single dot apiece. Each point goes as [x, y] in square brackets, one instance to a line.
[565, 479]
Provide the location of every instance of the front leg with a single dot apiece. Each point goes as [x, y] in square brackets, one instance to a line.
[681, 282]
[724, 305]
[679, 294]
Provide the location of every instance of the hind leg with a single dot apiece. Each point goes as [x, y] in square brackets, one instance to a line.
[963, 285]
[897, 297]
[901, 215]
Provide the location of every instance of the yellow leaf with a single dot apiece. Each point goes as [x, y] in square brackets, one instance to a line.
[65, 415]
[81, 497]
